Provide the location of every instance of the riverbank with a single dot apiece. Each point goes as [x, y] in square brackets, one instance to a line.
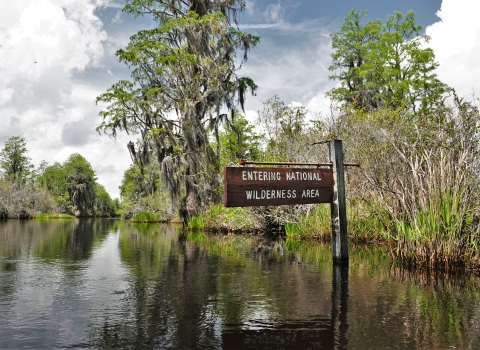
[438, 238]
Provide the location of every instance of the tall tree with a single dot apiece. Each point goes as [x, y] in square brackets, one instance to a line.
[13, 159]
[384, 64]
[53, 177]
[80, 182]
[104, 205]
[184, 76]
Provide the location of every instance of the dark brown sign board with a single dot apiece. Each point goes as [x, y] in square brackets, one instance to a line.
[254, 186]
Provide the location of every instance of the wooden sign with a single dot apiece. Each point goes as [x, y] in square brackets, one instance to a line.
[253, 186]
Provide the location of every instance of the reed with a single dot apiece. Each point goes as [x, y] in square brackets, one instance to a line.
[221, 219]
[145, 216]
[315, 223]
[365, 222]
[435, 229]
[196, 222]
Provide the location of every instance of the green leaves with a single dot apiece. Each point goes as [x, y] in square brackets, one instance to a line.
[384, 64]
[14, 161]
[184, 77]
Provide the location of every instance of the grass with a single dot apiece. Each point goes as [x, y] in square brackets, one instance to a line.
[42, 216]
[365, 223]
[439, 235]
[219, 218]
[145, 216]
[196, 222]
[316, 223]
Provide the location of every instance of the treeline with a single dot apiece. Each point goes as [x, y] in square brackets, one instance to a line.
[65, 188]
[417, 141]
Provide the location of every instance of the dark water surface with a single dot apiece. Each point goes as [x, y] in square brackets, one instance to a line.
[109, 284]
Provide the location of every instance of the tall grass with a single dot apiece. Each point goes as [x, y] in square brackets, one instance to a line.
[196, 222]
[42, 216]
[145, 216]
[219, 218]
[315, 223]
[436, 230]
[365, 223]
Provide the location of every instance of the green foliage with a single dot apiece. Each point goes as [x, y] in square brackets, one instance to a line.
[142, 192]
[53, 178]
[138, 181]
[365, 223]
[384, 64]
[239, 139]
[219, 218]
[14, 161]
[145, 216]
[196, 222]
[287, 135]
[104, 205]
[69, 187]
[43, 216]
[80, 183]
[184, 72]
[417, 176]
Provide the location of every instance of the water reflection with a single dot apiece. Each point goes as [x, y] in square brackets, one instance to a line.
[108, 284]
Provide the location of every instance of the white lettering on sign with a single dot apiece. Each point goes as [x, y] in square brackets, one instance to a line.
[276, 176]
[271, 194]
[303, 176]
[310, 194]
[261, 176]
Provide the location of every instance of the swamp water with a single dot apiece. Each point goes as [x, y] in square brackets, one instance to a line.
[110, 284]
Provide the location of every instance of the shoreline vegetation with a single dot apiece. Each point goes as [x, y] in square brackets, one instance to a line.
[417, 190]
[59, 190]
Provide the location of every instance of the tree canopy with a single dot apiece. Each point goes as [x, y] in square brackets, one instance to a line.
[384, 64]
[80, 182]
[14, 160]
[184, 85]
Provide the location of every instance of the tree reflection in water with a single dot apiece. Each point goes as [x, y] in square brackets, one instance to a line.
[118, 285]
[220, 291]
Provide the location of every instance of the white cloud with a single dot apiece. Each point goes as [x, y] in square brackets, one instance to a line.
[250, 6]
[455, 40]
[44, 45]
[274, 13]
[293, 63]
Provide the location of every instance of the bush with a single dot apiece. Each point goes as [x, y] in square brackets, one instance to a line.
[24, 201]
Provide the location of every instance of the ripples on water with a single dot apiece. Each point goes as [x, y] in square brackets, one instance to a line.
[108, 284]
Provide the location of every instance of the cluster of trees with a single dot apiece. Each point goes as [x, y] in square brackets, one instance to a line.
[184, 85]
[184, 100]
[413, 135]
[72, 184]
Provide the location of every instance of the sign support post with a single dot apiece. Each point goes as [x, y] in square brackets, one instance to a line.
[338, 205]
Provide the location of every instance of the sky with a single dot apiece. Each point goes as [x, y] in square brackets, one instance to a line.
[57, 56]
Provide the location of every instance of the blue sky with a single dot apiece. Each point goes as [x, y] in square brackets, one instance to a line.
[57, 56]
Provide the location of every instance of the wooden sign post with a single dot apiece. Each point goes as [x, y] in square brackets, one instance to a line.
[338, 204]
[255, 186]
